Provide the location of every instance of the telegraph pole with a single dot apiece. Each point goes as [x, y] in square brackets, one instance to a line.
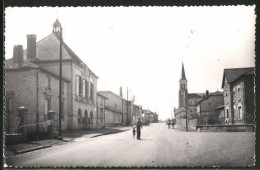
[186, 114]
[60, 103]
[127, 107]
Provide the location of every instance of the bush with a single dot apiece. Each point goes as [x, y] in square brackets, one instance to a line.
[194, 116]
[213, 118]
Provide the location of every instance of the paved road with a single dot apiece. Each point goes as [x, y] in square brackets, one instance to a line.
[159, 147]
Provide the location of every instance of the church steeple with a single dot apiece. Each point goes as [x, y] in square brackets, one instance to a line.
[183, 77]
[183, 91]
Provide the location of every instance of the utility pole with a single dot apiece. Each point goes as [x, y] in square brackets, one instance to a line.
[60, 102]
[186, 115]
[127, 107]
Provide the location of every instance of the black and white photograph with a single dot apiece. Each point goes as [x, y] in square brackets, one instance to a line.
[150, 86]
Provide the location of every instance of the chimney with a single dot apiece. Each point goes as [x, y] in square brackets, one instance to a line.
[31, 47]
[18, 56]
[120, 92]
[207, 93]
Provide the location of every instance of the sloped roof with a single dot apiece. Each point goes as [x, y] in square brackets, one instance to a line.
[217, 93]
[194, 95]
[181, 109]
[48, 49]
[104, 93]
[235, 73]
[101, 95]
[26, 64]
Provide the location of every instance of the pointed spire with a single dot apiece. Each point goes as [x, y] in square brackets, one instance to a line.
[183, 77]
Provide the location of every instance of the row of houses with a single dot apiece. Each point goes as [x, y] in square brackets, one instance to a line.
[235, 102]
[32, 79]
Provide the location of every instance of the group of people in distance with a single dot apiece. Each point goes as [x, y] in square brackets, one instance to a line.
[170, 122]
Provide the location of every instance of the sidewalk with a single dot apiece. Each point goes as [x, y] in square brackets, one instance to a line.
[68, 136]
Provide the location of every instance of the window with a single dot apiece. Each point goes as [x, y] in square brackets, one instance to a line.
[91, 91]
[240, 113]
[9, 105]
[86, 117]
[79, 116]
[83, 89]
[86, 89]
[227, 113]
[101, 113]
[239, 93]
[48, 82]
[78, 85]
[91, 119]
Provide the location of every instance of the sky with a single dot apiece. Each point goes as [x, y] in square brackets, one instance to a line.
[143, 48]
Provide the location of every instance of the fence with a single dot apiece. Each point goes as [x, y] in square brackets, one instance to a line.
[23, 123]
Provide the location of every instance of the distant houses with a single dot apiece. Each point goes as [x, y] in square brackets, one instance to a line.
[149, 117]
[235, 105]
[32, 81]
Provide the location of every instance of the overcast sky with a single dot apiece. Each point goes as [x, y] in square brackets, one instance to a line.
[142, 48]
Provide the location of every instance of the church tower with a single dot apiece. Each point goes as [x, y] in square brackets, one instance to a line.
[183, 92]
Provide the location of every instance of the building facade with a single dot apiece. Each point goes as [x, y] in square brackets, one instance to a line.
[101, 103]
[115, 109]
[239, 97]
[210, 103]
[82, 86]
[137, 113]
[149, 117]
[35, 88]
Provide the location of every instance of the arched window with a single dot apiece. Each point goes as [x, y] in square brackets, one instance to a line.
[86, 117]
[79, 116]
[91, 118]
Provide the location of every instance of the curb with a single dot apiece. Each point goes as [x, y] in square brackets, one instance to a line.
[32, 149]
[108, 133]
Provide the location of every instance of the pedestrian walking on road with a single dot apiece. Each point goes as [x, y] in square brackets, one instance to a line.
[169, 123]
[134, 131]
[139, 126]
[173, 123]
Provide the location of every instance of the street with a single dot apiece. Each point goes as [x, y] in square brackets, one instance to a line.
[159, 146]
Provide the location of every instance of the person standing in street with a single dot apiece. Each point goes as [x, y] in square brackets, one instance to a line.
[139, 126]
[134, 131]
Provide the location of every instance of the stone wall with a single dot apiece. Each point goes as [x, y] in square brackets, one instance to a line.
[225, 128]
